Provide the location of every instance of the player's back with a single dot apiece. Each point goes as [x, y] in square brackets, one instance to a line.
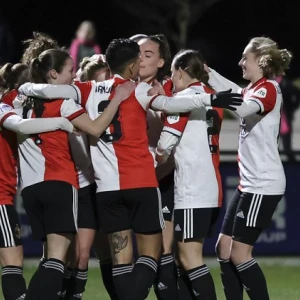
[121, 157]
[195, 177]
[47, 156]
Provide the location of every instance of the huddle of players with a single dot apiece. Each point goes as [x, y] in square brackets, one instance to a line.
[175, 120]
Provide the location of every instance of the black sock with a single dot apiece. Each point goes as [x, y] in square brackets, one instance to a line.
[34, 284]
[13, 283]
[143, 275]
[166, 279]
[50, 280]
[253, 280]
[185, 291]
[233, 288]
[107, 278]
[122, 279]
[202, 283]
[66, 282]
[77, 284]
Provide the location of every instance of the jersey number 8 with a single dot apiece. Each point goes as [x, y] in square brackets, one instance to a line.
[114, 132]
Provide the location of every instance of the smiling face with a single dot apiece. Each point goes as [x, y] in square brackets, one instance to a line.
[150, 59]
[250, 65]
[67, 74]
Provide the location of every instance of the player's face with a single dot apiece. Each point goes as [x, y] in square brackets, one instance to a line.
[177, 79]
[67, 74]
[249, 65]
[135, 67]
[150, 59]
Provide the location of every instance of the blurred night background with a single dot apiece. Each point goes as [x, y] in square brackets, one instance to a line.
[220, 29]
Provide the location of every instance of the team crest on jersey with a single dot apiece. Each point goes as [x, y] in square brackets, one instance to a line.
[172, 119]
[17, 232]
[261, 93]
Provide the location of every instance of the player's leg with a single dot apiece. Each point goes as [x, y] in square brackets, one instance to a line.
[11, 254]
[147, 223]
[53, 217]
[102, 251]
[232, 285]
[83, 242]
[254, 213]
[166, 280]
[113, 216]
[193, 226]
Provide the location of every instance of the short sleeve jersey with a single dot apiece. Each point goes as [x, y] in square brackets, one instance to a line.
[47, 156]
[121, 156]
[260, 167]
[196, 183]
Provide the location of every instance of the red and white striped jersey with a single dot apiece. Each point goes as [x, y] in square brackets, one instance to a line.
[47, 156]
[196, 184]
[8, 158]
[121, 157]
[260, 166]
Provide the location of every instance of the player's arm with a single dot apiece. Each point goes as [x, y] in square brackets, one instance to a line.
[220, 83]
[96, 127]
[10, 120]
[248, 108]
[187, 103]
[165, 145]
[148, 98]
[50, 91]
[262, 101]
[174, 126]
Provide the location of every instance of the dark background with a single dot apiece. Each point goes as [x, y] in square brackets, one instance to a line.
[221, 33]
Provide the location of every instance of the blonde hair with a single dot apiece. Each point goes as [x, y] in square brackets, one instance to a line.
[272, 60]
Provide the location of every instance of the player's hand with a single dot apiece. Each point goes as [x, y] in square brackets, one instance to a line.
[157, 89]
[124, 90]
[226, 99]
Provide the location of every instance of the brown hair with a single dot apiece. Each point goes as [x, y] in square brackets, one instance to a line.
[272, 60]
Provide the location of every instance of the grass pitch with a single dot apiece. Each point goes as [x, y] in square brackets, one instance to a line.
[283, 283]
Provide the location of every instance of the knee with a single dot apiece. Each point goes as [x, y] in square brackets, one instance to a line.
[223, 248]
[240, 254]
[83, 257]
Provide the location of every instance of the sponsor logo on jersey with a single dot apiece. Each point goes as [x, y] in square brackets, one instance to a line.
[261, 93]
[172, 119]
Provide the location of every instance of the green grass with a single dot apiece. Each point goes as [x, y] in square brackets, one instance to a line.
[283, 283]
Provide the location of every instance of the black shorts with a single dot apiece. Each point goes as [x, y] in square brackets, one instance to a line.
[137, 209]
[166, 187]
[10, 229]
[51, 207]
[194, 223]
[87, 207]
[248, 214]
